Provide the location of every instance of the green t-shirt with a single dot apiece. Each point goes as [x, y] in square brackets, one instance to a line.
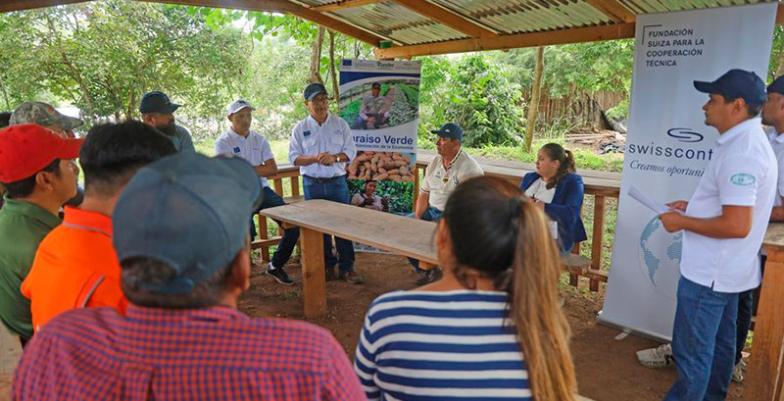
[22, 227]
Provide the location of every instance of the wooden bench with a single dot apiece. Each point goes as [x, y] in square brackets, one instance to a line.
[397, 234]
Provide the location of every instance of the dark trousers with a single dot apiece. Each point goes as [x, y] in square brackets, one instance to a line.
[335, 190]
[430, 214]
[290, 236]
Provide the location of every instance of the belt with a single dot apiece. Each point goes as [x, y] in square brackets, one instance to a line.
[324, 180]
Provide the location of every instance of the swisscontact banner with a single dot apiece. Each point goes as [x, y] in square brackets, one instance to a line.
[669, 146]
[380, 101]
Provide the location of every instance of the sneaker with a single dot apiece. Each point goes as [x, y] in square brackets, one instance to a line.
[737, 373]
[659, 357]
[352, 277]
[279, 275]
[429, 276]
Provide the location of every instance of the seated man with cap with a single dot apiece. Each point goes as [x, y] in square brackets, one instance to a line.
[448, 169]
[75, 265]
[39, 173]
[322, 145]
[241, 141]
[158, 111]
[723, 226]
[181, 235]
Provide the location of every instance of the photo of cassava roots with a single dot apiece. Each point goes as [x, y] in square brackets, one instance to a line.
[379, 166]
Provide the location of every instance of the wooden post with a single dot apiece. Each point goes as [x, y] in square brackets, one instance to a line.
[295, 186]
[262, 233]
[536, 92]
[416, 187]
[314, 281]
[279, 186]
[598, 232]
[765, 376]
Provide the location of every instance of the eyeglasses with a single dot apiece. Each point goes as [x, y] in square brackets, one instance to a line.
[320, 99]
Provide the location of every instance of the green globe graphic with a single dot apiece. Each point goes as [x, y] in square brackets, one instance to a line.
[660, 257]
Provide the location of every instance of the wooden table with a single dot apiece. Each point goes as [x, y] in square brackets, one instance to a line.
[397, 234]
[765, 376]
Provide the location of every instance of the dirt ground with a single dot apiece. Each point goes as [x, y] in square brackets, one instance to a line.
[607, 369]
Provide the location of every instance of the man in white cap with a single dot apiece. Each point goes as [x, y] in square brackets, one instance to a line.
[240, 141]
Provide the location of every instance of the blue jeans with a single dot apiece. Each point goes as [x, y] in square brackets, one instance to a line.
[430, 214]
[290, 236]
[335, 190]
[703, 343]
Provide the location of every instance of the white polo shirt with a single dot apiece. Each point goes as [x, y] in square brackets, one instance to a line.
[254, 148]
[308, 138]
[743, 172]
[777, 143]
[439, 182]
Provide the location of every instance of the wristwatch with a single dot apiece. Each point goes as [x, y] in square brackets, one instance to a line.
[337, 157]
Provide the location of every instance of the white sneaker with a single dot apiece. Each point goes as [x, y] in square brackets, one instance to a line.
[659, 357]
[737, 373]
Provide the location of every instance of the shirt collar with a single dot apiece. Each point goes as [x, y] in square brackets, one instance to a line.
[235, 135]
[212, 314]
[87, 220]
[773, 135]
[31, 210]
[313, 120]
[738, 130]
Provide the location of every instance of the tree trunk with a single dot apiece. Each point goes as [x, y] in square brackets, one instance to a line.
[333, 71]
[536, 95]
[315, 58]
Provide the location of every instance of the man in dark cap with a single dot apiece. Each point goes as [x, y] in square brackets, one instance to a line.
[723, 225]
[322, 146]
[181, 235]
[158, 111]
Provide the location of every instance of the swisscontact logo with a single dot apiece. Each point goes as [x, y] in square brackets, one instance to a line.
[685, 135]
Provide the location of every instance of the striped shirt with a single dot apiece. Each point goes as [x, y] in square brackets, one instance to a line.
[424, 345]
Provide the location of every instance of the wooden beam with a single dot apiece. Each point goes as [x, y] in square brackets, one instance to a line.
[780, 15]
[446, 17]
[613, 9]
[17, 5]
[342, 5]
[545, 38]
[284, 7]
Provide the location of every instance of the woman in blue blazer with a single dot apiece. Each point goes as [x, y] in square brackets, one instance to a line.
[555, 187]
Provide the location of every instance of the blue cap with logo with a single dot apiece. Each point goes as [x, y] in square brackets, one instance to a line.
[313, 90]
[735, 84]
[777, 86]
[450, 131]
[157, 102]
[188, 211]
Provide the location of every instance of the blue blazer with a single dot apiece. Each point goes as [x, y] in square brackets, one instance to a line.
[564, 208]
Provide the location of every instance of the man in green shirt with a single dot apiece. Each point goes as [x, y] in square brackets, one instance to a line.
[38, 170]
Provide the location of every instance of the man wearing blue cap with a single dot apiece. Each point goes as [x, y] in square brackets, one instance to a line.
[723, 225]
[182, 336]
[158, 111]
[240, 141]
[448, 169]
[773, 117]
[322, 145]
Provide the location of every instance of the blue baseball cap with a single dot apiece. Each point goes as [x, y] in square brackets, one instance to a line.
[735, 84]
[313, 90]
[188, 211]
[157, 102]
[451, 131]
[777, 86]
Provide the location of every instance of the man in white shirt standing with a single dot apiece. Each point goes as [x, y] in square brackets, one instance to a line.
[240, 141]
[724, 223]
[322, 145]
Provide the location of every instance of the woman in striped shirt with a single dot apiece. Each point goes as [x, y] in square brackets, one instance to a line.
[491, 328]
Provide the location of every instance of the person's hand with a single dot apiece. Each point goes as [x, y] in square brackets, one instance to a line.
[672, 221]
[678, 205]
[368, 201]
[538, 203]
[326, 158]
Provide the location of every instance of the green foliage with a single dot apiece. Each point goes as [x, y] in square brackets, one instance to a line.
[776, 66]
[483, 101]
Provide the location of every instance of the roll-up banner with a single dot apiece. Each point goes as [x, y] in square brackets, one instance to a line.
[380, 101]
[668, 146]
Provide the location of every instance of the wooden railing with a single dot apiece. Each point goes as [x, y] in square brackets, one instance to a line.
[600, 185]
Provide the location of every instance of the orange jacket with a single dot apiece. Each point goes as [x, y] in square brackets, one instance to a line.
[75, 267]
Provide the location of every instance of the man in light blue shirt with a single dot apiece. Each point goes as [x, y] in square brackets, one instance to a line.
[240, 141]
[321, 145]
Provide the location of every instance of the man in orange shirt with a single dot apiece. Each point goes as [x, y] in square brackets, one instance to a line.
[76, 265]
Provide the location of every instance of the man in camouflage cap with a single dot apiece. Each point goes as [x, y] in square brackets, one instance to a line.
[45, 115]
